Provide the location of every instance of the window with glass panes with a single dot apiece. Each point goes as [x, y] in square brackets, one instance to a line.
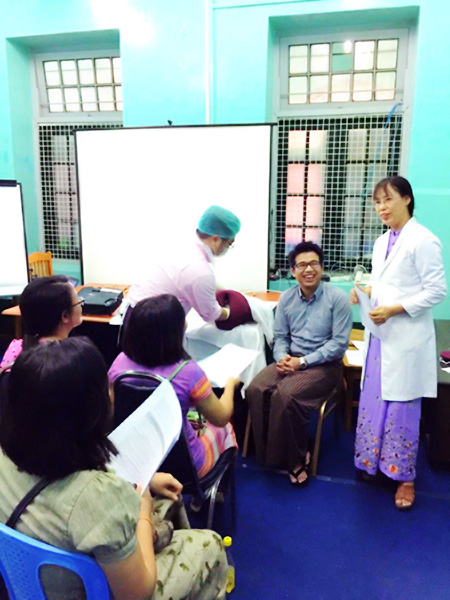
[326, 170]
[343, 71]
[83, 84]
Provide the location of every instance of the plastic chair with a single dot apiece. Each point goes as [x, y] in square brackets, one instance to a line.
[130, 390]
[40, 264]
[21, 558]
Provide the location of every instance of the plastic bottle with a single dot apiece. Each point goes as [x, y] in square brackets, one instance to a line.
[231, 581]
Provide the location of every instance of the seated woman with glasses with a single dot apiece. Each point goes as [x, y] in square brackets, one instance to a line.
[85, 507]
[153, 343]
[50, 309]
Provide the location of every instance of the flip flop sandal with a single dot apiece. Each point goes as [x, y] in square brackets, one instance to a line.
[295, 475]
[304, 469]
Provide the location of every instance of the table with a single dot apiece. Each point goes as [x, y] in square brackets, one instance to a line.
[352, 375]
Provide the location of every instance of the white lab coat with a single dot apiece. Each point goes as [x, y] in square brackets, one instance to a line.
[413, 276]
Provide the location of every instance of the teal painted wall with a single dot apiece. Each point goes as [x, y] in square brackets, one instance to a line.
[163, 68]
[21, 128]
[245, 34]
[163, 59]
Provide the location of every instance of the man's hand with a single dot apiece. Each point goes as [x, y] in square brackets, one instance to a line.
[288, 364]
[165, 484]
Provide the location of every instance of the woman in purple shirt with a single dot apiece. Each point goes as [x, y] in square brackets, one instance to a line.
[153, 343]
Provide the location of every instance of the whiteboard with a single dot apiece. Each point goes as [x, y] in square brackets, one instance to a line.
[142, 192]
[13, 247]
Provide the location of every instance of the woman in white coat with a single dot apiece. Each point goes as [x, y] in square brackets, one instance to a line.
[400, 367]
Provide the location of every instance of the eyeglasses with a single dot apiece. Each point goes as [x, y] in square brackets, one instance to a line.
[81, 302]
[302, 266]
[230, 244]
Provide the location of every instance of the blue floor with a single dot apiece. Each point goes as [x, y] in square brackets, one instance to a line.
[339, 538]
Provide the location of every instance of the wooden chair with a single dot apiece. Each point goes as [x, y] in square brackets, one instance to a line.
[40, 264]
[327, 406]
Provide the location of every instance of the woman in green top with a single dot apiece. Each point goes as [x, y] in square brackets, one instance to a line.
[54, 426]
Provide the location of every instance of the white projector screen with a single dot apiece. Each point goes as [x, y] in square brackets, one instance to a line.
[142, 192]
[13, 248]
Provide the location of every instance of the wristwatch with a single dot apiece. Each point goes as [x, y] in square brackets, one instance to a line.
[303, 363]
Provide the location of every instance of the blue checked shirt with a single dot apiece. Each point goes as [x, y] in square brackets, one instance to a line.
[317, 329]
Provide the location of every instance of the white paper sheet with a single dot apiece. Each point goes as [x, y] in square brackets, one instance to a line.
[354, 357]
[364, 307]
[146, 437]
[229, 361]
[263, 313]
[359, 344]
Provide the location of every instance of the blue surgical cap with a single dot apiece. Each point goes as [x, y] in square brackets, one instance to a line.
[219, 221]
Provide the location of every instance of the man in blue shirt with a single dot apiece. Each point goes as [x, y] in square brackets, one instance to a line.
[312, 327]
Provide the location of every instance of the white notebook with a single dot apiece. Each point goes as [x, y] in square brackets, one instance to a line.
[229, 361]
[146, 437]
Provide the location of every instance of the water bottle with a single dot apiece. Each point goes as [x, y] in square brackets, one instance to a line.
[231, 576]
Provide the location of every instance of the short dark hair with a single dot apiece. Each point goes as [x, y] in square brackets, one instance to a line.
[305, 247]
[55, 415]
[42, 305]
[154, 333]
[400, 185]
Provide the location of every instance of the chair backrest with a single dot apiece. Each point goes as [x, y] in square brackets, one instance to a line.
[4, 377]
[180, 464]
[131, 389]
[21, 558]
[40, 264]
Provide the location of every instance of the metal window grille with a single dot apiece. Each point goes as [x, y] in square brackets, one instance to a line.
[59, 187]
[326, 170]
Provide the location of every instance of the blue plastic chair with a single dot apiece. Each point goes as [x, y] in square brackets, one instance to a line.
[21, 558]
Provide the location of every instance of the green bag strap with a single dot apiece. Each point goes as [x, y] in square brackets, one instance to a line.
[178, 369]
